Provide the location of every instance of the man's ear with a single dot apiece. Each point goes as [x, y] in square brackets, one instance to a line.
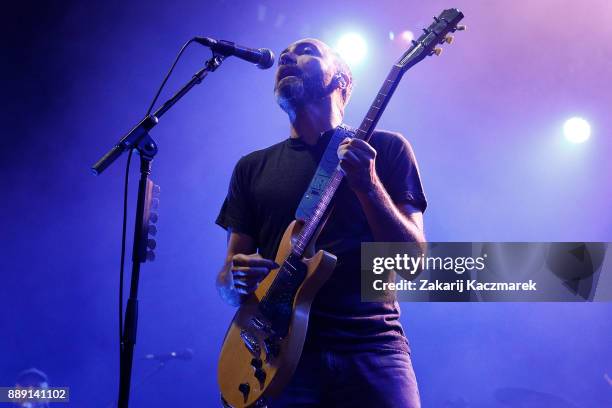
[341, 80]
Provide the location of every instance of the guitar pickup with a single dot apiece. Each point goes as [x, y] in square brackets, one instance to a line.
[250, 342]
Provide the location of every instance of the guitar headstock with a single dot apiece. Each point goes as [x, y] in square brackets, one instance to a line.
[428, 43]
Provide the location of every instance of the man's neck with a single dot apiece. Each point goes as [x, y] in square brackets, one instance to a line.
[310, 121]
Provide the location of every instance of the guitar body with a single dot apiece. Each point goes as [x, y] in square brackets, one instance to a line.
[245, 351]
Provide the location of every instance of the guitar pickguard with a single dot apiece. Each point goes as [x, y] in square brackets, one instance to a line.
[277, 305]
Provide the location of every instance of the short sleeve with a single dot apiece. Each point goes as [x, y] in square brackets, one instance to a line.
[236, 212]
[400, 171]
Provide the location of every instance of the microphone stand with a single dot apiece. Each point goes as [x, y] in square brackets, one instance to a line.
[138, 138]
[142, 381]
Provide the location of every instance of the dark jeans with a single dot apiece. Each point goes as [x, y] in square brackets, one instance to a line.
[377, 379]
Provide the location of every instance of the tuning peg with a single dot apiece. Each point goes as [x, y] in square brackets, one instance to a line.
[436, 51]
[156, 189]
[150, 256]
[436, 19]
[154, 203]
[153, 217]
[152, 230]
[449, 39]
[151, 243]
[461, 28]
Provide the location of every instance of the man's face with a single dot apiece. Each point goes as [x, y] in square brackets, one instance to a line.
[305, 73]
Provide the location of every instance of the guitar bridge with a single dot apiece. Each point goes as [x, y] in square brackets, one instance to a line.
[251, 342]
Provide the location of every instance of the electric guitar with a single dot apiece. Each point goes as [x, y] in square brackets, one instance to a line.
[264, 342]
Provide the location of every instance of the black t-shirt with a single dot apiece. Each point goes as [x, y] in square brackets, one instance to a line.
[265, 190]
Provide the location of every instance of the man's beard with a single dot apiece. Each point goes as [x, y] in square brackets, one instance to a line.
[293, 92]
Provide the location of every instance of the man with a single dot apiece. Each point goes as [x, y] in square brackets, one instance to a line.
[32, 378]
[355, 353]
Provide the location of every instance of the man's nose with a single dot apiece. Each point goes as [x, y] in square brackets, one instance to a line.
[286, 59]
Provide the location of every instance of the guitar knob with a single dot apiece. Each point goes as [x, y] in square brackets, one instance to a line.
[150, 256]
[151, 243]
[256, 363]
[260, 375]
[244, 388]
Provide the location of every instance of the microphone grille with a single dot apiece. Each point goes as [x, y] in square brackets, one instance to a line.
[267, 58]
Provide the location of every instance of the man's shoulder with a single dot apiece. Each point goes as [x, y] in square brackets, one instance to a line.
[387, 136]
[386, 141]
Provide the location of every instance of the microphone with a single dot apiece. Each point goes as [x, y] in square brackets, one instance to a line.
[263, 57]
[186, 354]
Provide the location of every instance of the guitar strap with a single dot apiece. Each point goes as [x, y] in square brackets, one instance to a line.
[321, 178]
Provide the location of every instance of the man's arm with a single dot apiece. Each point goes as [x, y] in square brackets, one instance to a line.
[241, 273]
[389, 221]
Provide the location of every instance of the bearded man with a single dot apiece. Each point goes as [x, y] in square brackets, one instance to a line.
[355, 354]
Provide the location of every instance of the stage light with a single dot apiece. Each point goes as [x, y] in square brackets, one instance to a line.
[352, 48]
[577, 130]
[407, 36]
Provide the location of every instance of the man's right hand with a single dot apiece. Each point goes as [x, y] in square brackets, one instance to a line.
[248, 270]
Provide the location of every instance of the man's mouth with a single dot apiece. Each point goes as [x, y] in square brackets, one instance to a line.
[285, 71]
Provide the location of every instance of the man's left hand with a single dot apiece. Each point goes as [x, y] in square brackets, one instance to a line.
[357, 161]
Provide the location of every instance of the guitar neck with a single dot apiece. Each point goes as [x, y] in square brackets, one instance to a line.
[377, 108]
[365, 130]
